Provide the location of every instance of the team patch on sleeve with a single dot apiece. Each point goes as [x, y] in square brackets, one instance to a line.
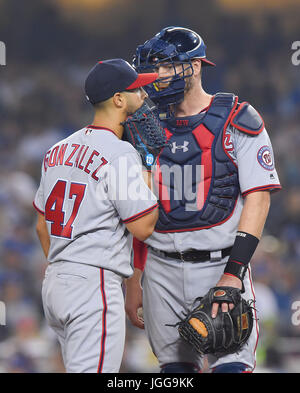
[265, 158]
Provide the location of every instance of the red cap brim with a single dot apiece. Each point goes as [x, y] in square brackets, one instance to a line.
[143, 80]
[208, 62]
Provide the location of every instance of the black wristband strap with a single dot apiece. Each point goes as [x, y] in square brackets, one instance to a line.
[241, 254]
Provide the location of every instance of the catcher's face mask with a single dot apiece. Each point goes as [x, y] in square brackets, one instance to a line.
[171, 46]
[167, 90]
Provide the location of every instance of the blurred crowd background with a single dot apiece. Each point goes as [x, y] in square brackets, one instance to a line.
[50, 46]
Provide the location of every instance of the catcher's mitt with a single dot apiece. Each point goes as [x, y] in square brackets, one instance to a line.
[144, 132]
[224, 334]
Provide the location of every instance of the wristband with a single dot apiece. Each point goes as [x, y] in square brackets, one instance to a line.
[242, 251]
[140, 252]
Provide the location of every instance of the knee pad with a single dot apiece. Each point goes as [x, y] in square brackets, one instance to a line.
[179, 368]
[234, 367]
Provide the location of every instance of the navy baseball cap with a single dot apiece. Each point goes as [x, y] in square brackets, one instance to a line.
[108, 77]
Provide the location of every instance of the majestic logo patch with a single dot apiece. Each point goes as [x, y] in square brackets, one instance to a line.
[265, 158]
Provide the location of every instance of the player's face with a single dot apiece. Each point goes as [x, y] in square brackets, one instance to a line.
[167, 70]
[135, 99]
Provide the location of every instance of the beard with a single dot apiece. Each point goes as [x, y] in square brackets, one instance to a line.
[188, 85]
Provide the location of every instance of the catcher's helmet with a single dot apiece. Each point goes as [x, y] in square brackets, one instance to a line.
[173, 46]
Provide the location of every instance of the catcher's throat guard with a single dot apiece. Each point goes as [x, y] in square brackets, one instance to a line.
[225, 334]
[143, 130]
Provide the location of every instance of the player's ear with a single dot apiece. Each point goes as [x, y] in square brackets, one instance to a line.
[119, 100]
[197, 66]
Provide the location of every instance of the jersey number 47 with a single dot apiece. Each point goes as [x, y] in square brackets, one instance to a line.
[54, 207]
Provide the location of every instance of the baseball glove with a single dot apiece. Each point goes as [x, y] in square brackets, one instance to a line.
[144, 132]
[224, 334]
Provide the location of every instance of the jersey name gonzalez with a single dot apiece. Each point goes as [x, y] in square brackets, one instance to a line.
[79, 156]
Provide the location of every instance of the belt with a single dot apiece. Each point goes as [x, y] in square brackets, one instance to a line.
[195, 255]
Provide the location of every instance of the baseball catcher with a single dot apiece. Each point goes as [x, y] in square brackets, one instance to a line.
[224, 334]
[212, 212]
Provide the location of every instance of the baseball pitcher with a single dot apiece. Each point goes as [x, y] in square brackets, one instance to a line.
[91, 201]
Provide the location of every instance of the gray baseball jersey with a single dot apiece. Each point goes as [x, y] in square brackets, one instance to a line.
[256, 171]
[91, 186]
[253, 157]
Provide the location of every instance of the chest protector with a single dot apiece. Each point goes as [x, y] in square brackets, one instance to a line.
[195, 177]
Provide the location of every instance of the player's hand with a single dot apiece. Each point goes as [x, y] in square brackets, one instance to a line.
[134, 299]
[226, 281]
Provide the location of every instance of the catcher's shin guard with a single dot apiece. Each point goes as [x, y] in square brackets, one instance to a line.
[235, 367]
[179, 368]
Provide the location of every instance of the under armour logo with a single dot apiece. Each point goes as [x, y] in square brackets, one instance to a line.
[184, 147]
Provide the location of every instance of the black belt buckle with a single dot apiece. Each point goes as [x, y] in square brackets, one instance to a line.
[182, 256]
[193, 256]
